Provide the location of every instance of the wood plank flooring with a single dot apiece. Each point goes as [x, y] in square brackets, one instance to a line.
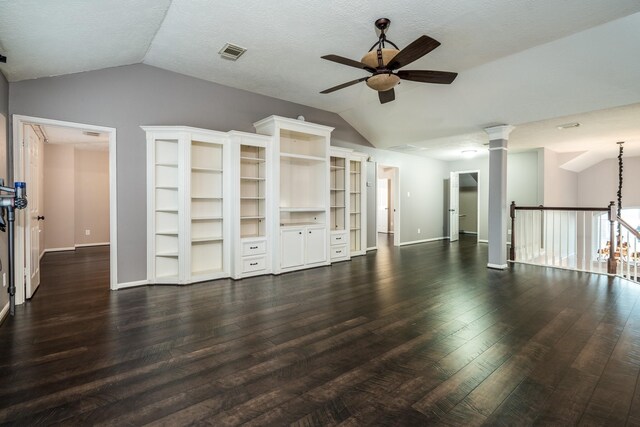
[423, 335]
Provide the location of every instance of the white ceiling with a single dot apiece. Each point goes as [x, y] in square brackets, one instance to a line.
[520, 61]
[76, 137]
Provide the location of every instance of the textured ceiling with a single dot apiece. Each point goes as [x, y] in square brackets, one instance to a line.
[520, 61]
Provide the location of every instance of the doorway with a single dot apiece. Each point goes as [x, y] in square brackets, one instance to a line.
[33, 139]
[388, 203]
[464, 204]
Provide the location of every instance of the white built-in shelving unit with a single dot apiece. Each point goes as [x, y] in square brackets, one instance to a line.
[240, 204]
[252, 212]
[339, 203]
[357, 203]
[188, 230]
[300, 192]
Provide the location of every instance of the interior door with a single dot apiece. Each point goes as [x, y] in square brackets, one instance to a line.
[383, 205]
[33, 177]
[454, 206]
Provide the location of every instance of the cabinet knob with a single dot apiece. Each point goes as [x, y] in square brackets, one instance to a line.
[299, 232]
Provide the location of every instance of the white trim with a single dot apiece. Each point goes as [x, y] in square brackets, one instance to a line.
[4, 312]
[468, 232]
[499, 132]
[498, 148]
[132, 284]
[84, 245]
[71, 248]
[483, 241]
[413, 242]
[18, 158]
[497, 266]
[44, 251]
[372, 248]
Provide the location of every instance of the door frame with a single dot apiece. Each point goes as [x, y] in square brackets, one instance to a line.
[395, 188]
[19, 121]
[477, 201]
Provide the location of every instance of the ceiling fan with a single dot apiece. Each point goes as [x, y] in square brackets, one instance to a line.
[383, 64]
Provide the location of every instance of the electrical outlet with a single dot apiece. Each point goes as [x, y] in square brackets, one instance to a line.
[4, 280]
[87, 232]
[418, 231]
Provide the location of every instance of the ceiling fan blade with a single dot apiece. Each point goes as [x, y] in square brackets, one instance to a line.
[346, 61]
[387, 96]
[417, 49]
[428, 76]
[343, 85]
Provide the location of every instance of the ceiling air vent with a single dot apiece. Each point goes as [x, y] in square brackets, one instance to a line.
[231, 51]
[89, 133]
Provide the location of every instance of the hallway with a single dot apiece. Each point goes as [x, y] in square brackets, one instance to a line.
[402, 336]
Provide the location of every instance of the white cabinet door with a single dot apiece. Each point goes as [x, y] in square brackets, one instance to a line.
[292, 245]
[316, 245]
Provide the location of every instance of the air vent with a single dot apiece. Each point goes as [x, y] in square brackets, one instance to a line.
[89, 133]
[231, 51]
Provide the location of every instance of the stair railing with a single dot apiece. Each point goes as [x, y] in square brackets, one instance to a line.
[564, 237]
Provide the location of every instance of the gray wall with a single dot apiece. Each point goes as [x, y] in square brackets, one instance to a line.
[560, 185]
[597, 185]
[4, 137]
[130, 96]
[422, 179]
[522, 183]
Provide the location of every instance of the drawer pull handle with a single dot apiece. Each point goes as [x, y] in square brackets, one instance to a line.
[253, 263]
[253, 247]
[338, 238]
[338, 252]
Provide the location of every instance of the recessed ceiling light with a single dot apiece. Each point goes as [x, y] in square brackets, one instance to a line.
[569, 125]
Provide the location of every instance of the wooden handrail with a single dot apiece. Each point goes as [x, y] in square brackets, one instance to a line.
[611, 264]
[555, 208]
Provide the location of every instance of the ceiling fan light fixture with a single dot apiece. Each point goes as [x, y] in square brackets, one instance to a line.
[383, 82]
[371, 57]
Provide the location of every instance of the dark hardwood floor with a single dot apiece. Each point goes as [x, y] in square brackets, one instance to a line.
[421, 335]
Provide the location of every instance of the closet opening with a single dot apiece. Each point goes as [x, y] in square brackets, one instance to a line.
[70, 172]
[464, 204]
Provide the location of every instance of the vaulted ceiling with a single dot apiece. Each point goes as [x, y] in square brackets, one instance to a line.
[519, 61]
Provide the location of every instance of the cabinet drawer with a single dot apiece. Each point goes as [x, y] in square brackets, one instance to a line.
[339, 251]
[254, 248]
[253, 264]
[338, 239]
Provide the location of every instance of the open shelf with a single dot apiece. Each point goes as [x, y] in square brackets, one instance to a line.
[206, 239]
[303, 157]
[302, 209]
[252, 191]
[209, 170]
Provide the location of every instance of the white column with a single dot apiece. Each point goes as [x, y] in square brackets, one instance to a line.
[498, 214]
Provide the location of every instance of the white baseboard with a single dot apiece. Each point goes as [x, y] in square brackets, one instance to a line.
[414, 242]
[483, 241]
[60, 249]
[4, 312]
[132, 284]
[497, 266]
[469, 232]
[84, 245]
[42, 254]
[372, 248]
